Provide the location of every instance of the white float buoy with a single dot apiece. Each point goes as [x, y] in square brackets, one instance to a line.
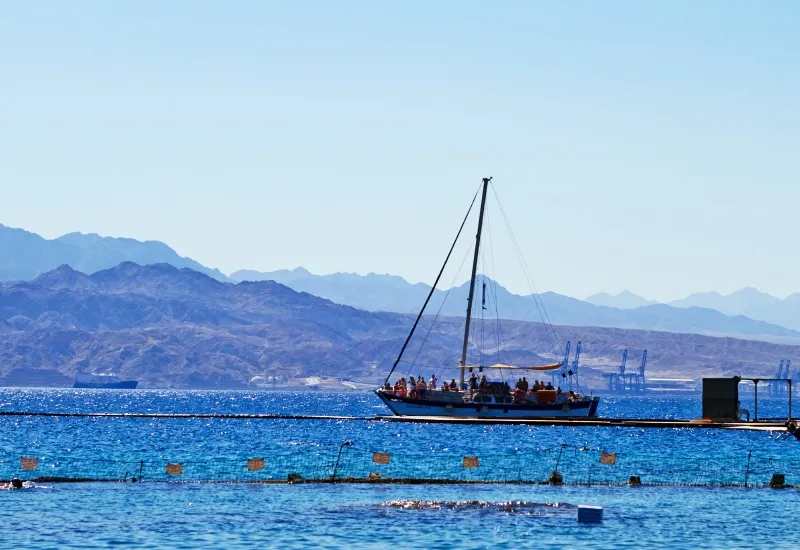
[590, 514]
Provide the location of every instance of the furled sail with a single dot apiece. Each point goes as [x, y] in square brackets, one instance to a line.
[551, 366]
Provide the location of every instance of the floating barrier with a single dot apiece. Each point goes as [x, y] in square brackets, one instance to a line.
[771, 424]
[564, 465]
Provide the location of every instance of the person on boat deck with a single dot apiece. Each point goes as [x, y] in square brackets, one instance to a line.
[558, 391]
[432, 383]
[535, 387]
[453, 385]
[446, 386]
[483, 382]
[518, 385]
[422, 387]
[524, 386]
[412, 383]
[473, 382]
[549, 386]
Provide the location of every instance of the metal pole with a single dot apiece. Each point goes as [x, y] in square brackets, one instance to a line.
[790, 398]
[558, 460]
[472, 282]
[344, 444]
[747, 468]
[755, 415]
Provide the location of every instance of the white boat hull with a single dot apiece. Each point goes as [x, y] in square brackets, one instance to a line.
[407, 407]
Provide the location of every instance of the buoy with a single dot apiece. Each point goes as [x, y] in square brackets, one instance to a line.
[555, 478]
[590, 514]
[634, 480]
[778, 481]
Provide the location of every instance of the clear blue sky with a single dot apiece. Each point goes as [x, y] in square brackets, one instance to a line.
[643, 145]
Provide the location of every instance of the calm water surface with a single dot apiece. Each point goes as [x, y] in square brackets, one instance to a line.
[191, 515]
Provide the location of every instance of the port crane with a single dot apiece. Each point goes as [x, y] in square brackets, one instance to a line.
[784, 368]
[561, 373]
[576, 362]
[627, 381]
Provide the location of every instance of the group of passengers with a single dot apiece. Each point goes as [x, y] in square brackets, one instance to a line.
[416, 388]
[523, 384]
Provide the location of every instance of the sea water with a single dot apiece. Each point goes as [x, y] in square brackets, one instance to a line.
[191, 515]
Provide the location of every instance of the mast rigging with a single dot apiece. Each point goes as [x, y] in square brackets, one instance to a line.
[472, 281]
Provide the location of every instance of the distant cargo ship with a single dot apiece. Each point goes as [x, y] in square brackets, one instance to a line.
[104, 381]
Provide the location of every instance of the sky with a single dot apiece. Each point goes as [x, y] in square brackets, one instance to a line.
[650, 146]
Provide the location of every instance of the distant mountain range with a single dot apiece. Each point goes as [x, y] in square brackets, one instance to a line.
[624, 300]
[748, 312]
[24, 255]
[180, 328]
[390, 293]
[750, 302]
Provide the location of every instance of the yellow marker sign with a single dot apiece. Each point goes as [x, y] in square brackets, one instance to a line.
[380, 458]
[174, 469]
[470, 462]
[255, 464]
[608, 458]
[29, 464]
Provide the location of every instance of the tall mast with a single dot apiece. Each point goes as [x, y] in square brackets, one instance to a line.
[472, 280]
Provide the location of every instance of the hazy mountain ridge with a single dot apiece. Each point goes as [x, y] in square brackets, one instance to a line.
[176, 327]
[750, 302]
[389, 293]
[25, 255]
[623, 300]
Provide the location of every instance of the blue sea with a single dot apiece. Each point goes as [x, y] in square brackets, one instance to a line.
[189, 511]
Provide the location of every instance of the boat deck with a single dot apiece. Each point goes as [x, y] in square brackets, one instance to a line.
[761, 425]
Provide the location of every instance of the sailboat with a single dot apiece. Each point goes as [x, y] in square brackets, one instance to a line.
[481, 397]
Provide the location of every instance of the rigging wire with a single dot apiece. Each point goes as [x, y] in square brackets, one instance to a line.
[501, 343]
[554, 341]
[439, 311]
[433, 289]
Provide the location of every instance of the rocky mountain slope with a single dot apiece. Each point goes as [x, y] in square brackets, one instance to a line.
[24, 255]
[176, 327]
